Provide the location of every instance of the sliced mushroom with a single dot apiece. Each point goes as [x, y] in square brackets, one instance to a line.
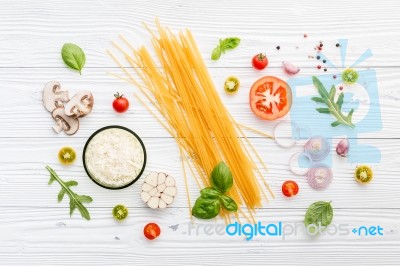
[54, 96]
[69, 125]
[80, 105]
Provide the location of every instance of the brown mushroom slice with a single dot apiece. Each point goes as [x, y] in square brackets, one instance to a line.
[69, 125]
[80, 105]
[54, 96]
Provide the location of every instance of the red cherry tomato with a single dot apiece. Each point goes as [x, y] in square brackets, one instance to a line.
[120, 103]
[290, 188]
[151, 231]
[260, 61]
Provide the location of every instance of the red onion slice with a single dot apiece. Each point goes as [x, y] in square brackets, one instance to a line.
[297, 162]
[317, 147]
[319, 176]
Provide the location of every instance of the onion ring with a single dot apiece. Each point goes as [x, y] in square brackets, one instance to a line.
[319, 176]
[317, 147]
[286, 134]
[294, 164]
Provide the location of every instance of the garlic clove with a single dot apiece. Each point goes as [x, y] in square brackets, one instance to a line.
[145, 196]
[343, 147]
[162, 204]
[170, 181]
[153, 202]
[168, 199]
[153, 192]
[161, 178]
[146, 187]
[289, 68]
[161, 187]
[170, 191]
[152, 179]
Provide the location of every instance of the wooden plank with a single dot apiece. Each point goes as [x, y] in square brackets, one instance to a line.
[24, 116]
[24, 168]
[31, 238]
[33, 32]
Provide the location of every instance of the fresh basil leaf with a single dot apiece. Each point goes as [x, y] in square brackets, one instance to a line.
[221, 178]
[210, 193]
[216, 53]
[206, 208]
[73, 56]
[229, 203]
[319, 213]
[229, 43]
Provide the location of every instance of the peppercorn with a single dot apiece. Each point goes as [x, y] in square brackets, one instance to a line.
[278, 47]
[318, 57]
[319, 67]
[337, 45]
[320, 45]
[324, 61]
[305, 35]
[325, 69]
[334, 76]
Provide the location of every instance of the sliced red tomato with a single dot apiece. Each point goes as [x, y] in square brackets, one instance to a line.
[151, 231]
[270, 98]
[290, 188]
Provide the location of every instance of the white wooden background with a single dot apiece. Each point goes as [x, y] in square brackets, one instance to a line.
[36, 230]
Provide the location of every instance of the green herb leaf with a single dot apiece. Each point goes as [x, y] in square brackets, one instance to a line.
[228, 203]
[221, 178]
[224, 45]
[334, 108]
[229, 43]
[216, 53]
[319, 213]
[73, 56]
[210, 193]
[75, 201]
[206, 208]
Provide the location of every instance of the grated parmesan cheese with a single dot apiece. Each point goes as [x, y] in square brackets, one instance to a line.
[114, 157]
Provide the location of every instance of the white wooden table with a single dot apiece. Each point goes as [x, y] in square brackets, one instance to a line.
[36, 230]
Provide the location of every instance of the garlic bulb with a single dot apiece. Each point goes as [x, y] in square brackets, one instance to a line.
[158, 190]
[342, 148]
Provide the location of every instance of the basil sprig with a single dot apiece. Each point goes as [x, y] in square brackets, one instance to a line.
[224, 45]
[73, 56]
[208, 205]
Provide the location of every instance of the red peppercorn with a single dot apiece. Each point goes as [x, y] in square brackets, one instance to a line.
[319, 67]
[334, 76]
[319, 48]
[305, 35]
[341, 88]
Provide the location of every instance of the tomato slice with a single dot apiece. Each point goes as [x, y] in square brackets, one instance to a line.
[290, 188]
[151, 231]
[270, 98]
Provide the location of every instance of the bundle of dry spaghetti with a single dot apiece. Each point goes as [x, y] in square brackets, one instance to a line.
[182, 91]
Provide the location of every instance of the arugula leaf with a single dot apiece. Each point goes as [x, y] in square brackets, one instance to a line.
[319, 213]
[224, 45]
[73, 56]
[75, 201]
[228, 203]
[206, 208]
[221, 178]
[334, 108]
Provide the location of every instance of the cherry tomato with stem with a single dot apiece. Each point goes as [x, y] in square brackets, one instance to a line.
[290, 188]
[120, 103]
[260, 61]
[151, 231]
